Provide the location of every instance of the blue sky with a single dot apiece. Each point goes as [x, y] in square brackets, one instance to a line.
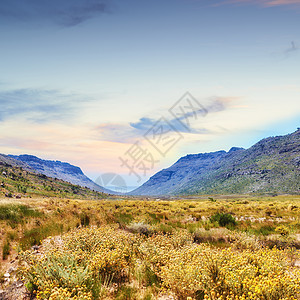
[83, 81]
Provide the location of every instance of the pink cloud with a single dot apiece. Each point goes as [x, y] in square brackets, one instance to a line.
[281, 2]
[264, 3]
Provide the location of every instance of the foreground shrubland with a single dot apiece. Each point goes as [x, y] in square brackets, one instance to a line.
[202, 248]
[108, 262]
[273, 220]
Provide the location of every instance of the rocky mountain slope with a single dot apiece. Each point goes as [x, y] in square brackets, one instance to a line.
[60, 170]
[17, 179]
[270, 166]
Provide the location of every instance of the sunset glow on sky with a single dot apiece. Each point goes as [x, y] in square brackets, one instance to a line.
[83, 81]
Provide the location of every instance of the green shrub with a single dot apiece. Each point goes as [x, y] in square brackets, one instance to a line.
[22, 189]
[124, 219]
[35, 235]
[126, 293]
[16, 213]
[84, 220]
[265, 230]
[223, 219]
[6, 250]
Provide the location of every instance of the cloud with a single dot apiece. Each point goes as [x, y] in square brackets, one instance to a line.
[218, 104]
[292, 48]
[144, 124]
[128, 133]
[63, 13]
[212, 105]
[264, 3]
[114, 132]
[38, 106]
[281, 2]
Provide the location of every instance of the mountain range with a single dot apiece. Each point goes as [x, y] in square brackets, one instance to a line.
[18, 179]
[270, 166]
[60, 170]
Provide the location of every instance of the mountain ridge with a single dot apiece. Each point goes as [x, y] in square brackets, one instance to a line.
[18, 180]
[271, 165]
[61, 170]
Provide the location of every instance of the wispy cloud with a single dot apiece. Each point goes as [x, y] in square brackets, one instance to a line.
[63, 13]
[292, 48]
[264, 3]
[128, 133]
[39, 106]
[116, 132]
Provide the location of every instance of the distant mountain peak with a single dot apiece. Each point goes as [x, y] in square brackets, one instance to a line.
[39, 164]
[60, 170]
[232, 149]
[272, 165]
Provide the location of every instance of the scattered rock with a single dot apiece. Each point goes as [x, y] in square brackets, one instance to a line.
[35, 247]
[190, 219]
[11, 269]
[19, 284]
[16, 291]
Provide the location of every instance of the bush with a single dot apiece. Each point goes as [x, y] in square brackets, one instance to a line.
[282, 230]
[265, 230]
[126, 293]
[203, 272]
[109, 263]
[22, 189]
[87, 260]
[223, 219]
[84, 220]
[212, 199]
[140, 228]
[6, 250]
[16, 213]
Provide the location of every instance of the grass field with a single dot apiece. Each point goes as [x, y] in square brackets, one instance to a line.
[218, 247]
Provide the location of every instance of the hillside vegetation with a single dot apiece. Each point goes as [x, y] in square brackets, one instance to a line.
[58, 169]
[18, 180]
[203, 248]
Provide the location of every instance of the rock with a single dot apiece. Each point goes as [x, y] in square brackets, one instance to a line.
[35, 247]
[3, 295]
[19, 284]
[15, 291]
[11, 269]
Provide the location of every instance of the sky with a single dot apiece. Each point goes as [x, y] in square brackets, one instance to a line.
[128, 87]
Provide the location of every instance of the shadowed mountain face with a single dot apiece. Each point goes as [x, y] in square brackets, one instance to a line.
[60, 170]
[270, 166]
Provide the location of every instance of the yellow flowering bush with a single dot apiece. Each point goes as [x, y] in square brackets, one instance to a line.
[231, 274]
[82, 263]
[64, 294]
[106, 262]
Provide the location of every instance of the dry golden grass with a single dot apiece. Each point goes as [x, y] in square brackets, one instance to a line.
[164, 232]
